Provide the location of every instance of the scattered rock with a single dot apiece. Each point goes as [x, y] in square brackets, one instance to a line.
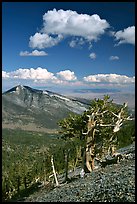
[114, 183]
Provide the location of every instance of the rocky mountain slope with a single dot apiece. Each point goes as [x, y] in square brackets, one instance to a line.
[31, 109]
[114, 183]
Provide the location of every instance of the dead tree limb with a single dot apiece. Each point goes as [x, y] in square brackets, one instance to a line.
[54, 172]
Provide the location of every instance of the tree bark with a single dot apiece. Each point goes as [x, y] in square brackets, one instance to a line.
[90, 149]
[90, 156]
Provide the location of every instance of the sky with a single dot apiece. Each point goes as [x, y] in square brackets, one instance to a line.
[69, 45]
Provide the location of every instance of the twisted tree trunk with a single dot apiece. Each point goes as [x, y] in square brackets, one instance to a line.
[90, 146]
[90, 155]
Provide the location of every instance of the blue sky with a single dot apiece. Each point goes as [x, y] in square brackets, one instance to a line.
[75, 45]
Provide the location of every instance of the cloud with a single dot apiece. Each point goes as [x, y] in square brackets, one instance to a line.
[66, 78]
[76, 42]
[41, 75]
[71, 23]
[125, 36]
[114, 58]
[5, 74]
[31, 73]
[72, 43]
[33, 53]
[43, 40]
[92, 55]
[68, 23]
[67, 75]
[90, 46]
[109, 78]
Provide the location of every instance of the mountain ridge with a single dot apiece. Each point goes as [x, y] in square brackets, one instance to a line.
[25, 105]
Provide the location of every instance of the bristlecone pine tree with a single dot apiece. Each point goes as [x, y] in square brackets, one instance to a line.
[97, 128]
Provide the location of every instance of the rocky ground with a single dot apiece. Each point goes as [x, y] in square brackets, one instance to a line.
[114, 183]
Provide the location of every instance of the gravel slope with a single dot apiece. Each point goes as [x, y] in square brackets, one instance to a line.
[114, 183]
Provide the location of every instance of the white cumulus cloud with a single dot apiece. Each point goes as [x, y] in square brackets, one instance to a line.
[33, 53]
[5, 74]
[31, 73]
[114, 58]
[67, 75]
[61, 23]
[92, 55]
[41, 75]
[43, 40]
[109, 78]
[125, 36]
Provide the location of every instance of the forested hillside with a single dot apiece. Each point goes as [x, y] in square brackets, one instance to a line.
[26, 155]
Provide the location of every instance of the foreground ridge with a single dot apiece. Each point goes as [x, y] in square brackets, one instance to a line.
[114, 183]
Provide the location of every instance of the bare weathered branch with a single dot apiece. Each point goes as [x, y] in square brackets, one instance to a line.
[54, 172]
[128, 118]
[105, 125]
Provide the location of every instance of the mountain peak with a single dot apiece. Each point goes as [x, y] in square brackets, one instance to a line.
[15, 89]
[19, 88]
